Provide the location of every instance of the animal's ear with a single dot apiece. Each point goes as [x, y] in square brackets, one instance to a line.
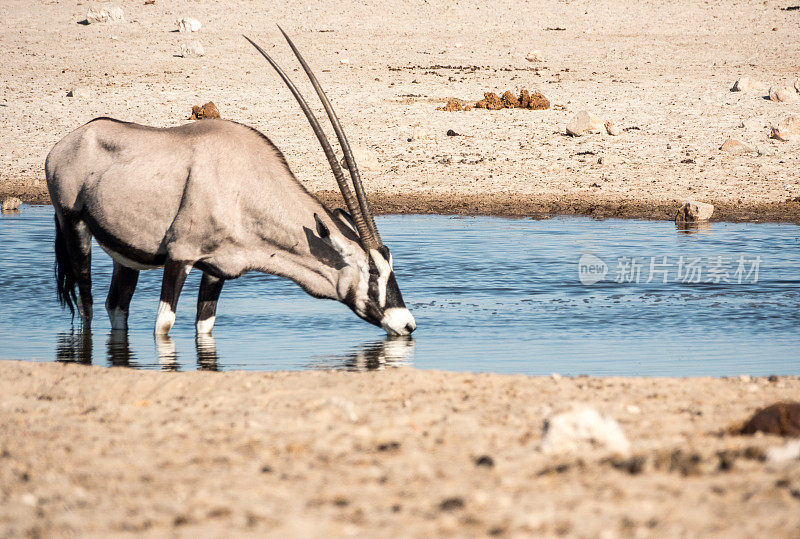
[322, 229]
[346, 219]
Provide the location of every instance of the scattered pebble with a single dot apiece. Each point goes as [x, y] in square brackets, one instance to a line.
[451, 133]
[745, 84]
[612, 129]
[10, 204]
[585, 122]
[344, 61]
[451, 504]
[105, 14]
[580, 429]
[750, 124]
[633, 409]
[80, 92]
[784, 453]
[782, 94]
[737, 147]
[692, 211]
[188, 25]
[192, 49]
[209, 110]
[797, 86]
[534, 56]
[555, 376]
[781, 418]
[787, 129]
[484, 460]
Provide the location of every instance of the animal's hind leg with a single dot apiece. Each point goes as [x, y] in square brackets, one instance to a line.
[79, 246]
[123, 284]
[210, 289]
[174, 276]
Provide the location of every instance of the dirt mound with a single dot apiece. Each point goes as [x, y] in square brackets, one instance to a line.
[781, 418]
[454, 105]
[209, 110]
[526, 100]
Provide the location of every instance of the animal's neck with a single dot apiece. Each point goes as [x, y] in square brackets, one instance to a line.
[312, 275]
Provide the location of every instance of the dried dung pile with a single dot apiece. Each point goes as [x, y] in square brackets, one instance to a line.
[492, 101]
[209, 110]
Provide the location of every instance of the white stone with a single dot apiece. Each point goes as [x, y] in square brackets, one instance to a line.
[534, 56]
[782, 94]
[692, 211]
[189, 25]
[737, 147]
[582, 429]
[633, 409]
[105, 14]
[745, 84]
[192, 49]
[787, 129]
[784, 453]
[344, 61]
[612, 129]
[10, 204]
[585, 122]
[751, 124]
[80, 92]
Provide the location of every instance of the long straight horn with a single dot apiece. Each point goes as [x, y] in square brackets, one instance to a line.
[348, 154]
[351, 201]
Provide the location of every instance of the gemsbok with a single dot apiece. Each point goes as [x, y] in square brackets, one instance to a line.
[218, 196]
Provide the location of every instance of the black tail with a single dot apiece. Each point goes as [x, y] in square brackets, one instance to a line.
[65, 275]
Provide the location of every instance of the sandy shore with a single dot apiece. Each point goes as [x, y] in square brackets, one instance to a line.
[660, 70]
[99, 451]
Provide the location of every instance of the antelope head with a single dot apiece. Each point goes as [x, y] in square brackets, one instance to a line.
[367, 283]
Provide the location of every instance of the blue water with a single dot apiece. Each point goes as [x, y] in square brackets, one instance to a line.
[489, 294]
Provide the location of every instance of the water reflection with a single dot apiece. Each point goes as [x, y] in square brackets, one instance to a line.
[76, 347]
[698, 227]
[378, 355]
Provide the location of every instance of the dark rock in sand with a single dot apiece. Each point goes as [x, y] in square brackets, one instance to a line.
[781, 418]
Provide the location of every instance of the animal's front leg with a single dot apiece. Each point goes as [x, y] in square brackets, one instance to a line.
[174, 276]
[123, 284]
[210, 289]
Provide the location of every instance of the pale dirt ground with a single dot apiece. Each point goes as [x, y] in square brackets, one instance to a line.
[91, 451]
[664, 67]
[94, 452]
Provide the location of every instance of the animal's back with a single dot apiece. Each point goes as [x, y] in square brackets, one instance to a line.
[129, 180]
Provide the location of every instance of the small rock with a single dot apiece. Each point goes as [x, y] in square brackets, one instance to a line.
[633, 409]
[484, 460]
[451, 504]
[10, 204]
[534, 56]
[581, 429]
[787, 129]
[612, 129]
[188, 25]
[344, 61]
[692, 211]
[555, 376]
[192, 49]
[737, 147]
[105, 14]
[746, 84]
[782, 94]
[80, 92]
[366, 159]
[585, 122]
[781, 418]
[451, 133]
[209, 110]
[784, 453]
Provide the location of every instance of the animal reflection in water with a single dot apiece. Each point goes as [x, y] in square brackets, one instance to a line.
[77, 347]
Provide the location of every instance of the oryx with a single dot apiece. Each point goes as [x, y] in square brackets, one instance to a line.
[218, 196]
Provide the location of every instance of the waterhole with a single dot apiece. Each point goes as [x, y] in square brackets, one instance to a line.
[569, 295]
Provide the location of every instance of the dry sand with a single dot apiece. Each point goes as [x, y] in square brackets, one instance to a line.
[99, 451]
[660, 70]
[91, 451]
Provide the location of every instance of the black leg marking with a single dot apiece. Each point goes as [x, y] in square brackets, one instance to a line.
[210, 289]
[123, 285]
[174, 276]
